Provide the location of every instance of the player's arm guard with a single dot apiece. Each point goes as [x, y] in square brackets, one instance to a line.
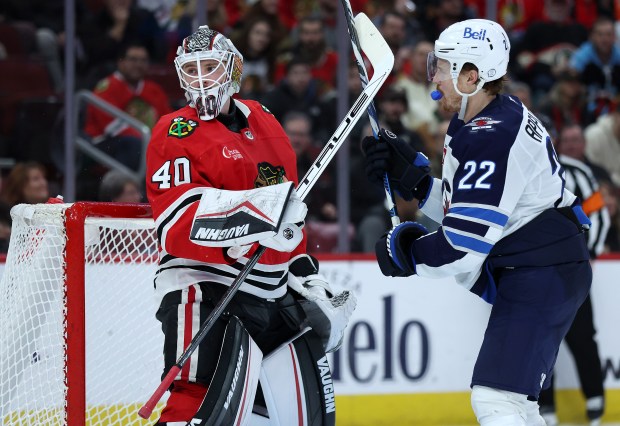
[394, 249]
[408, 170]
[272, 216]
[328, 313]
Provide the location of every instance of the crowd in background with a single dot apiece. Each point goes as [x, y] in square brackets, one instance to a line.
[565, 67]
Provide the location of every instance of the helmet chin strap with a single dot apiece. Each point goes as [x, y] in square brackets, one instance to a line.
[464, 97]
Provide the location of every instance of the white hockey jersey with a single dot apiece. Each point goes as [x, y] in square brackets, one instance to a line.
[500, 171]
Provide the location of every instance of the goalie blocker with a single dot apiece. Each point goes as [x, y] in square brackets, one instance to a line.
[271, 215]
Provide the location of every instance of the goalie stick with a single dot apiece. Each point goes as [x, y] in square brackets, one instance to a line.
[361, 25]
[375, 48]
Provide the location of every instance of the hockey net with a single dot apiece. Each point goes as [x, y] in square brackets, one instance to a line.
[79, 342]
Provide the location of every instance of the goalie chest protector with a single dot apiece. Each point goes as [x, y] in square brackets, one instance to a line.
[206, 153]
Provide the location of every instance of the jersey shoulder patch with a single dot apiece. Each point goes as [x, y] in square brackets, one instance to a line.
[181, 127]
[265, 109]
[102, 85]
[486, 124]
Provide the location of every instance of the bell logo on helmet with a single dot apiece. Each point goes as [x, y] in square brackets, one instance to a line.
[476, 35]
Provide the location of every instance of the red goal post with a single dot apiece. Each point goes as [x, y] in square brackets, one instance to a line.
[79, 342]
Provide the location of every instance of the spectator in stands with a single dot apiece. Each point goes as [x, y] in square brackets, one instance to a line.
[128, 90]
[329, 108]
[298, 91]
[116, 24]
[321, 201]
[421, 114]
[393, 27]
[26, 183]
[117, 187]
[41, 26]
[368, 212]
[312, 48]
[392, 107]
[435, 154]
[267, 9]
[546, 46]
[440, 14]
[597, 63]
[5, 227]
[255, 43]
[217, 18]
[572, 143]
[566, 101]
[521, 91]
[603, 143]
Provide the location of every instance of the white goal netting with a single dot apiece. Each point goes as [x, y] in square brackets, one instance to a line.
[40, 348]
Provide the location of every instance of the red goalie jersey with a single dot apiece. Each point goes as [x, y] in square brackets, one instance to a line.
[186, 154]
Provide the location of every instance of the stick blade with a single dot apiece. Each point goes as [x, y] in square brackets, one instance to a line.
[373, 44]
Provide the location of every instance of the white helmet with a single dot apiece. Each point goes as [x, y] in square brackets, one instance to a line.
[480, 42]
[209, 68]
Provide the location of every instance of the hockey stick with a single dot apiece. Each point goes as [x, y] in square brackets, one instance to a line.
[360, 25]
[373, 46]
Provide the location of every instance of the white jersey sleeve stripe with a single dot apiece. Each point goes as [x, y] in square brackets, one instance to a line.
[482, 214]
[470, 243]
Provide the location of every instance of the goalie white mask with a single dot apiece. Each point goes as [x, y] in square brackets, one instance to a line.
[209, 68]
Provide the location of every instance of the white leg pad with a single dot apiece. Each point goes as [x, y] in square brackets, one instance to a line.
[297, 385]
[256, 420]
[282, 385]
[494, 407]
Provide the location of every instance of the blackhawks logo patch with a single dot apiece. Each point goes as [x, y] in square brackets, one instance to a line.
[269, 175]
[181, 127]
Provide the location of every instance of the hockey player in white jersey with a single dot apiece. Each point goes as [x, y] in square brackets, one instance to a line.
[510, 231]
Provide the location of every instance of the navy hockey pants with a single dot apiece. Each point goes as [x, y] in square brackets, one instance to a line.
[534, 309]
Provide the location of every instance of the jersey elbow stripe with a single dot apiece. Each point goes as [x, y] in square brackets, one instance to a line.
[466, 224]
[469, 243]
[481, 215]
[188, 197]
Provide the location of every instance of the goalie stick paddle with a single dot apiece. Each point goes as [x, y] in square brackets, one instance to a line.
[362, 25]
[374, 47]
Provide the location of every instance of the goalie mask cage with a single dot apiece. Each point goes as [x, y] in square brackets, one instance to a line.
[79, 342]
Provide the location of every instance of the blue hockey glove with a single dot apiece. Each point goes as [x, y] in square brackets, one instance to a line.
[394, 249]
[408, 169]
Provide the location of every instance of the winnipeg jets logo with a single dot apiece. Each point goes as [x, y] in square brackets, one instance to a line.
[231, 153]
[482, 123]
[248, 135]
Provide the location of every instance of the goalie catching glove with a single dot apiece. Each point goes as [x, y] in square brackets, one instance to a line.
[408, 170]
[272, 216]
[328, 314]
[394, 249]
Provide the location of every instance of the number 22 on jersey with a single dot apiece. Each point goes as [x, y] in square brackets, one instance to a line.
[485, 167]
